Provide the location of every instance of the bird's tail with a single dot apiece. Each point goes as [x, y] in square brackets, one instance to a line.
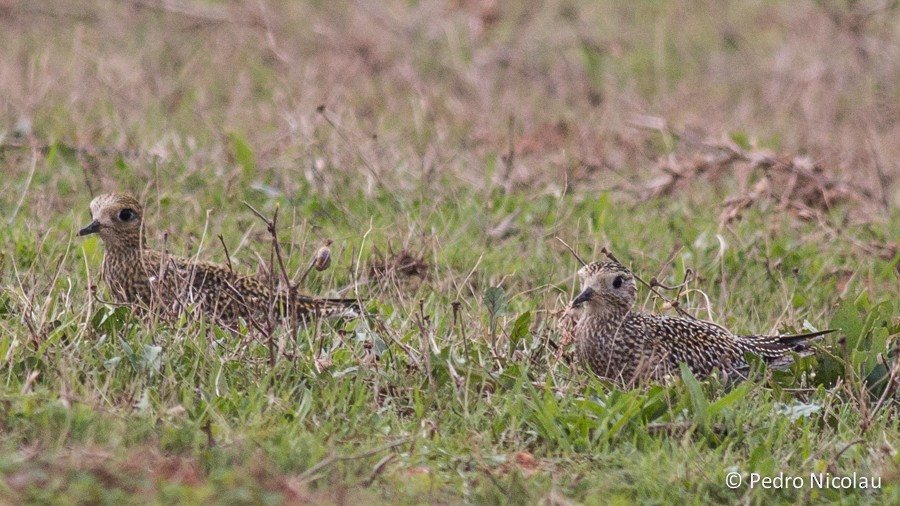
[774, 347]
[335, 308]
[308, 308]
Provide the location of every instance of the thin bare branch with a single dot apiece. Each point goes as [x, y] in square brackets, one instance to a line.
[582, 262]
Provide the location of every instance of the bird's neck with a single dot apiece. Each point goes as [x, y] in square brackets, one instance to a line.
[608, 313]
[120, 257]
[595, 327]
[124, 248]
[121, 261]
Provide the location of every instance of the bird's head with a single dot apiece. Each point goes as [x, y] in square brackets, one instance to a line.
[606, 287]
[117, 218]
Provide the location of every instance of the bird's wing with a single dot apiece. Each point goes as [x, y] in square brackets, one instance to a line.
[700, 345]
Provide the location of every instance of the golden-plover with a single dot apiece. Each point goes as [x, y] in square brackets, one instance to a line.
[167, 284]
[626, 346]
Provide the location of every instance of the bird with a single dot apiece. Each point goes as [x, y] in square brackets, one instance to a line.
[165, 284]
[628, 347]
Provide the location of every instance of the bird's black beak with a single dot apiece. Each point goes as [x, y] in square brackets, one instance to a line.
[583, 296]
[93, 228]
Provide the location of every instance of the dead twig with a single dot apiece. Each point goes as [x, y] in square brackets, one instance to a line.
[688, 278]
[674, 303]
[379, 468]
[564, 243]
[889, 388]
[271, 227]
[309, 474]
[270, 317]
[653, 282]
[411, 353]
[832, 468]
[227, 256]
[290, 310]
[455, 305]
[424, 344]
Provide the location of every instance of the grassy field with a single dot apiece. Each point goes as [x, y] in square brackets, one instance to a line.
[444, 146]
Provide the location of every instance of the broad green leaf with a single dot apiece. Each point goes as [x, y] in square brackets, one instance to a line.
[733, 398]
[797, 410]
[846, 319]
[520, 327]
[495, 300]
[699, 402]
[152, 359]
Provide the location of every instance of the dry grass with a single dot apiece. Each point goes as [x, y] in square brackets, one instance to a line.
[433, 93]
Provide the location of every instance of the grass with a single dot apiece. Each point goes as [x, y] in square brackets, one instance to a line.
[469, 138]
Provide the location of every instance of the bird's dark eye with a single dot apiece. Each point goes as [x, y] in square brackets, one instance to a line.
[127, 214]
[617, 283]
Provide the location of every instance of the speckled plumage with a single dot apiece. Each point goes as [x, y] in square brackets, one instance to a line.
[166, 284]
[620, 344]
